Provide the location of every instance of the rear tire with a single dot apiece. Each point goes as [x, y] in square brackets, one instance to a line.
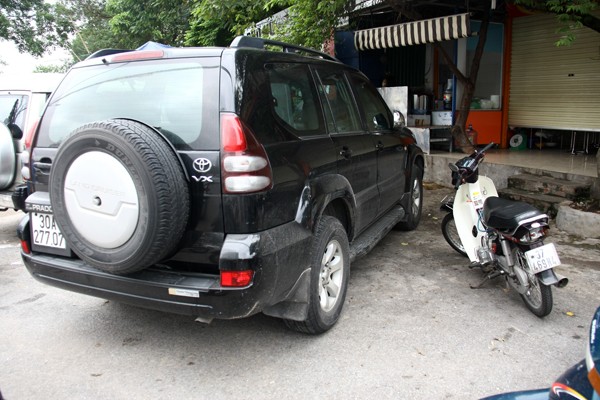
[330, 272]
[451, 234]
[8, 159]
[538, 298]
[415, 201]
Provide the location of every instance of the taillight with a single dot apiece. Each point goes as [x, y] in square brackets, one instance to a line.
[236, 278]
[25, 247]
[245, 166]
[29, 134]
[137, 55]
[534, 233]
[28, 141]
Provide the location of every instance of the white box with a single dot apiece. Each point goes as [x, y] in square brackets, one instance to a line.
[441, 117]
[418, 120]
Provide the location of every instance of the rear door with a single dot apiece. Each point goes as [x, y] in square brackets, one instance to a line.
[357, 157]
[391, 152]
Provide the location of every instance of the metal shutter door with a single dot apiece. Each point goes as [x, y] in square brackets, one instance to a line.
[550, 86]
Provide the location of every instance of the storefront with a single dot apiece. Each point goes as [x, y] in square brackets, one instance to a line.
[527, 85]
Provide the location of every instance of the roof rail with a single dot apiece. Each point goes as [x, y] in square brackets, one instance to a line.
[105, 52]
[259, 43]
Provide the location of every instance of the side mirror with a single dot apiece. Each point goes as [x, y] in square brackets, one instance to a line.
[399, 120]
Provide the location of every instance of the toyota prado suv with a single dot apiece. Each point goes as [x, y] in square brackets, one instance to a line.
[217, 182]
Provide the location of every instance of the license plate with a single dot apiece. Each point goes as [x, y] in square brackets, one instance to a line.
[542, 258]
[45, 231]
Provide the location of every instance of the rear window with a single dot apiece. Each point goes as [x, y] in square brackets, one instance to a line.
[13, 109]
[177, 97]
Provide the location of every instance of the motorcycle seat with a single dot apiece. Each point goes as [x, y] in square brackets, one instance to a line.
[506, 215]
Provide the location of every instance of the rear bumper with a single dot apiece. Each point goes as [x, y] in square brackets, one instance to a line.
[189, 293]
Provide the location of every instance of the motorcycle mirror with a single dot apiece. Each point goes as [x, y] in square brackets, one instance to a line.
[453, 167]
[592, 356]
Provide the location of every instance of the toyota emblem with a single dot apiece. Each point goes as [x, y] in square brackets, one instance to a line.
[202, 165]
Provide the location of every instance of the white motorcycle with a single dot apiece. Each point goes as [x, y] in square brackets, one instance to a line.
[502, 237]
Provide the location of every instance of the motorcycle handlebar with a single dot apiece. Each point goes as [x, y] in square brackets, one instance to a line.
[476, 156]
[479, 153]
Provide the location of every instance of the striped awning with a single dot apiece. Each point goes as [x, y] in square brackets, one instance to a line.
[411, 33]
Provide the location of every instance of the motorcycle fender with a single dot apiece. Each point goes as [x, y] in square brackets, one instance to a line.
[466, 217]
[549, 277]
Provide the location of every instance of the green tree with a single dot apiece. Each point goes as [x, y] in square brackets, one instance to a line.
[217, 22]
[94, 31]
[60, 68]
[311, 23]
[164, 21]
[34, 25]
[571, 14]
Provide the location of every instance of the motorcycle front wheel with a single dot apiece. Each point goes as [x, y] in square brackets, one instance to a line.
[538, 297]
[451, 234]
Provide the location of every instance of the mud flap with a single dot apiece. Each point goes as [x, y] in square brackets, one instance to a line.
[295, 306]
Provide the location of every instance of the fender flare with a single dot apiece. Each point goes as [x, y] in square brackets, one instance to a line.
[317, 194]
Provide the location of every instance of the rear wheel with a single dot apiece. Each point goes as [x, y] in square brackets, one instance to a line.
[330, 271]
[451, 234]
[538, 297]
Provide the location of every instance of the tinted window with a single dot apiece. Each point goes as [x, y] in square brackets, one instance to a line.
[295, 101]
[375, 112]
[174, 96]
[341, 112]
[13, 109]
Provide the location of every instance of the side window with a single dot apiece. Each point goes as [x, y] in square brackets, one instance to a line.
[376, 113]
[294, 98]
[340, 108]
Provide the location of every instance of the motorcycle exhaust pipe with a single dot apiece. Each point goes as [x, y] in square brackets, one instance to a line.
[562, 281]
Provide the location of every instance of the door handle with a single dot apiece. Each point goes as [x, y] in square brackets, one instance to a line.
[379, 146]
[346, 152]
[42, 168]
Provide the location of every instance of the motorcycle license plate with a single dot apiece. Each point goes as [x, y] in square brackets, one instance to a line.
[45, 232]
[542, 258]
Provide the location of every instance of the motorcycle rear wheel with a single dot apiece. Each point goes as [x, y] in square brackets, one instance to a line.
[451, 234]
[538, 298]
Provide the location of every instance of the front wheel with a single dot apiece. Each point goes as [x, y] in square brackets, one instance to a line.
[451, 234]
[538, 297]
[330, 270]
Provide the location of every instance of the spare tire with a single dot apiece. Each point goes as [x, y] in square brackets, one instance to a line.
[120, 195]
[8, 160]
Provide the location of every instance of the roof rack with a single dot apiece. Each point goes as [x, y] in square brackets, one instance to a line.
[259, 43]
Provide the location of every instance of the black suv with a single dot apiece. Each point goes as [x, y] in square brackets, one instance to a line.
[217, 182]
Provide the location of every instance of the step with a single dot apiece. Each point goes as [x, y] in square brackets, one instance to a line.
[549, 185]
[544, 202]
[367, 240]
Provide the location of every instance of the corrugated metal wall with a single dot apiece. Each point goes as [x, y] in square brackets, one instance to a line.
[554, 87]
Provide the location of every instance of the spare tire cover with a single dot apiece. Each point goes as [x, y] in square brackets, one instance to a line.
[119, 195]
[7, 157]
